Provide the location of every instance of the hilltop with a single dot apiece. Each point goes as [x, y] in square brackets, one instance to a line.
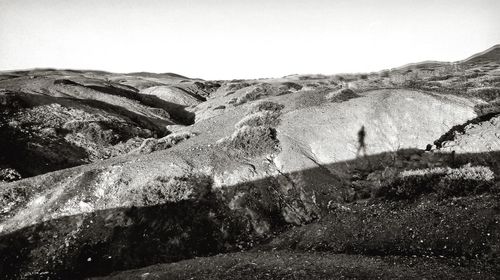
[490, 55]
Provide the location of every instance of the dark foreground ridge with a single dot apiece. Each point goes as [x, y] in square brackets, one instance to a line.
[425, 232]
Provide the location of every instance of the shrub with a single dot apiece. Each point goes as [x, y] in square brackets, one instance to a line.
[147, 146]
[160, 113]
[488, 108]
[165, 189]
[440, 77]
[341, 95]
[410, 184]
[265, 105]
[264, 118]
[176, 137]
[289, 87]
[474, 75]
[94, 131]
[14, 197]
[384, 74]
[445, 182]
[237, 86]
[486, 93]
[151, 144]
[412, 83]
[220, 107]
[249, 96]
[9, 175]
[466, 180]
[251, 141]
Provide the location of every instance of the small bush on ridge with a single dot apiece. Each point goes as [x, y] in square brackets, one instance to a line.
[264, 118]
[249, 141]
[265, 105]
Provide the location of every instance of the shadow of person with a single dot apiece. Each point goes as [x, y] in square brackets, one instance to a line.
[362, 146]
[361, 142]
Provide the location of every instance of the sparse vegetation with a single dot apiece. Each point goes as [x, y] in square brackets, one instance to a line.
[165, 189]
[255, 134]
[444, 181]
[341, 95]
[249, 96]
[153, 144]
[234, 86]
[263, 118]
[9, 175]
[293, 190]
[488, 108]
[461, 229]
[265, 105]
[251, 141]
[220, 107]
[288, 87]
[486, 93]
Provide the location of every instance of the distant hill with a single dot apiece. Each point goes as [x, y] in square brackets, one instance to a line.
[429, 64]
[490, 55]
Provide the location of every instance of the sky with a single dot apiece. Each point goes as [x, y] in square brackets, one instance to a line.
[229, 39]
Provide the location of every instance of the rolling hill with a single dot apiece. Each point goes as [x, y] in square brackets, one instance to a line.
[160, 176]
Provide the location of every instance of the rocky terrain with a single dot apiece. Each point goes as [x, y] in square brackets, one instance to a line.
[160, 176]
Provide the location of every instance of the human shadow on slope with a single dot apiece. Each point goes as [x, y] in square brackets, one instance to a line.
[103, 241]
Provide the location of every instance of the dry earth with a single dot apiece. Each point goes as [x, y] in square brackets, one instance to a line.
[250, 179]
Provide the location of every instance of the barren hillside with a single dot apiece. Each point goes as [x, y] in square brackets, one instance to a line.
[101, 173]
